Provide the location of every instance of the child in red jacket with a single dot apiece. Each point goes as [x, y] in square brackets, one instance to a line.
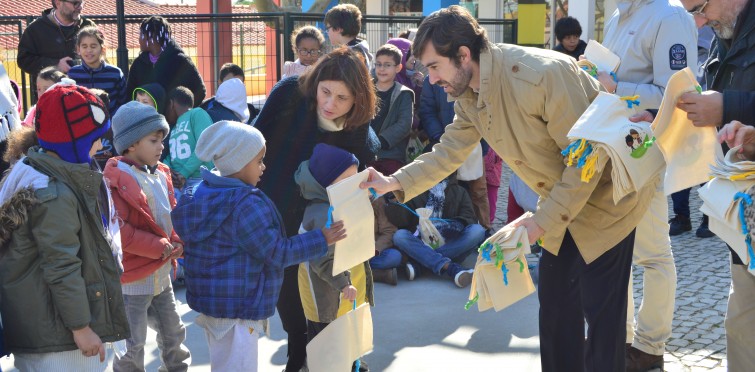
[143, 197]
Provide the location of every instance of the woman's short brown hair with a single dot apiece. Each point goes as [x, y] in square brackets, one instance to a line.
[344, 65]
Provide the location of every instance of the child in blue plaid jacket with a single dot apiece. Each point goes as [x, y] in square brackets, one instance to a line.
[236, 247]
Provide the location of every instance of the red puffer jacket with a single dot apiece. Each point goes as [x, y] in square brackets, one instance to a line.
[142, 239]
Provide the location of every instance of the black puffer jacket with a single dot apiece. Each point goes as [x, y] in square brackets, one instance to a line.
[457, 206]
[730, 69]
[173, 69]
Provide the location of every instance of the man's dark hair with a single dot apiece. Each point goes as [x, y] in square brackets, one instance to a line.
[182, 96]
[449, 29]
[347, 17]
[230, 69]
[567, 26]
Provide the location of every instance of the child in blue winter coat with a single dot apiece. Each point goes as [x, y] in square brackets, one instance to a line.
[236, 247]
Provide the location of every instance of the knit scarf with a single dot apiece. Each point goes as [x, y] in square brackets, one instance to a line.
[331, 125]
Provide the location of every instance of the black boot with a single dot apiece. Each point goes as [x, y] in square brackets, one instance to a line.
[679, 224]
[703, 231]
[387, 276]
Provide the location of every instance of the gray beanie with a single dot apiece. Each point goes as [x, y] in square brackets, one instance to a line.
[133, 121]
[230, 145]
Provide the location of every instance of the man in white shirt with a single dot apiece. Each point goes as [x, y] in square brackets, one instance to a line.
[654, 39]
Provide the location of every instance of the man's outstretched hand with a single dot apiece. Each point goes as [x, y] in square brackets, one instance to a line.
[380, 183]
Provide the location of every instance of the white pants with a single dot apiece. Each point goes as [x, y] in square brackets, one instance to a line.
[740, 321]
[63, 361]
[237, 350]
[652, 251]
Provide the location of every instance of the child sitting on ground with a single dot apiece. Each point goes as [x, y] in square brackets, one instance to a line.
[393, 121]
[324, 296]
[454, 218]
[236, 247]
[143, 197]
[387, 257]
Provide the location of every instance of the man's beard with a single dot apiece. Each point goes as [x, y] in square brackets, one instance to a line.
[73, 16]
[725, 32]
[459, 83]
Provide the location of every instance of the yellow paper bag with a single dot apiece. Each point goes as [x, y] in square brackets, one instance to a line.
[501, 276]
[342, 342]
[687, 150]
[352, 206]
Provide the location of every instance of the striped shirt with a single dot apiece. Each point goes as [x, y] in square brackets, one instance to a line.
[107, 77]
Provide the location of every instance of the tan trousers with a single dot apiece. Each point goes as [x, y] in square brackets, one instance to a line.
[652, 251]
[740, 321]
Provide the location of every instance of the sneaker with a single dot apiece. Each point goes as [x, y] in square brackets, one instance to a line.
[463, 279]
[640, 361]
[387, 276]
[410, 271]
[679, 224]
[703, 231]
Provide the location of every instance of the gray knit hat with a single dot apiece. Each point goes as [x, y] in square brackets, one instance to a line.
[230, 145]
[133, 121]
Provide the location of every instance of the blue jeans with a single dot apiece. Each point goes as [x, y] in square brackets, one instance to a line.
[389, 258]
[435, 259]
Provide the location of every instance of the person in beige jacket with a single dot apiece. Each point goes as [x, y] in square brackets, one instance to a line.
[523, 102]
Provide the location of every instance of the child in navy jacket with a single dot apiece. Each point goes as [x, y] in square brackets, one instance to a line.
[236, 247]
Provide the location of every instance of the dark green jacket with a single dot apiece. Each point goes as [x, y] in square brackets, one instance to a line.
[58, 272]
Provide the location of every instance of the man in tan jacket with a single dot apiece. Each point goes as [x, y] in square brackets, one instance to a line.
[523, 102]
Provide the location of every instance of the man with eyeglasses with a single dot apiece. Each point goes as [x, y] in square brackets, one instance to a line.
[51, 39]
[730, 75]
[654, 39]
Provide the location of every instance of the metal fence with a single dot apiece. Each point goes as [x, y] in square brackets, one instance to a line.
[259, 42]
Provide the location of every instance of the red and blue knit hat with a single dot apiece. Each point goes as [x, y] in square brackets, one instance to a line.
[69, 120]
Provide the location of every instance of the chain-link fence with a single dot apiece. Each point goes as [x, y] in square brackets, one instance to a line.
[258, 42]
